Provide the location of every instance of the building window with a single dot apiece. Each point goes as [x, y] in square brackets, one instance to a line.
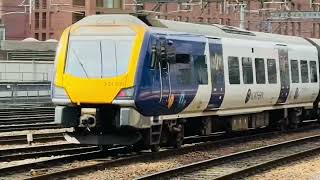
[78, 2]
[228, 22]
[272, 71]
[299, 28]
[109, 3]
[247, 70]
[77, 16]
[293, 28]
[260, 71]
[319, 31]
[44, 36]
[221, 21]
[36, 36]
[50, 20]
[44, 20]
[36, 20]
[294, 71]
[36, 4]
[313, 72]
[286, 28]
[304, 71]
[186, 19]
[44, 4]
[51, 35]
[233, 66]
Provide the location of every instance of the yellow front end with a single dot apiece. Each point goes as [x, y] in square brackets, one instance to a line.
[90, 66]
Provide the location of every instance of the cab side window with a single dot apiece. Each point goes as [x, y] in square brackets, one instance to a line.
[234, 73]
[201, 69]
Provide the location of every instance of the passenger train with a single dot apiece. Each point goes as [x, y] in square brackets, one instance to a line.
[133, 80]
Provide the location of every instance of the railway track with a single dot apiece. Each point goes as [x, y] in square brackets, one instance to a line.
[120, 156]
[40, 138]
[15, 154]
[46, 118]
[242, 164]
[129, 157]
[20, 127]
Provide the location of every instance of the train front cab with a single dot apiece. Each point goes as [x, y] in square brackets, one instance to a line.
[93, 87]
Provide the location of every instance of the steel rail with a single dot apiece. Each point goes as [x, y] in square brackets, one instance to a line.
[44, 151]
[22, 139]
[149, 156]
[20, 127]
[202, 166]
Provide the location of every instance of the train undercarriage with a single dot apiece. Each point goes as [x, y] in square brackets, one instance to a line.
[112, 125]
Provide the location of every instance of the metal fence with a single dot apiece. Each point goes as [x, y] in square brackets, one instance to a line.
[25, 92]
[24, 76]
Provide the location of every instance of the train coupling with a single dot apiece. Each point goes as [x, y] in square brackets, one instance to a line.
[88, 118]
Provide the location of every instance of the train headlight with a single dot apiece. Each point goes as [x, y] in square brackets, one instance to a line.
[125, 94]
[60, 96]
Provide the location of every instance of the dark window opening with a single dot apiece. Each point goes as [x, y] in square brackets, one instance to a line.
[247, 70]
[79, 3]
[184, 69]
[201, 69]
[44, 20]
[313, 72]
[37, 19]
[260, 71]
[272, 71]
[77, 16]
[294, 71]
[233, 66]
[304, 71]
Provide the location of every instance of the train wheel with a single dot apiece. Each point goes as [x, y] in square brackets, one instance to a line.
[155, 148]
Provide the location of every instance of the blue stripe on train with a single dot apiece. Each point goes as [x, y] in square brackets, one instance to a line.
[182, 79]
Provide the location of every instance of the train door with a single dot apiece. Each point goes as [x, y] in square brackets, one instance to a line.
[217, 73]
[284, 73]
[166, 96]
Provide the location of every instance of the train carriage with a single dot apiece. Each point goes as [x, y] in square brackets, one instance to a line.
[121, 79]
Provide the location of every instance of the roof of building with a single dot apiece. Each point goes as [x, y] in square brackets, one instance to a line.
[11, 45]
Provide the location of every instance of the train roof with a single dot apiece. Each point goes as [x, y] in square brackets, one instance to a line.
[213, 30]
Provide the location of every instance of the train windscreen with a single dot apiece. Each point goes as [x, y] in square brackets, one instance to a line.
[99, 57]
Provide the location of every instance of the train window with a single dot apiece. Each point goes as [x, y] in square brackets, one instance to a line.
[294, 71]
[201, 71]
[272, 71]
[247, 70]
[183, 66]
[304, 71]
[313, 71]
[260, 71]
[234, 74]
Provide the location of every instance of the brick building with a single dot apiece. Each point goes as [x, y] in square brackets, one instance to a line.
[50, 17]
[257, 15]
